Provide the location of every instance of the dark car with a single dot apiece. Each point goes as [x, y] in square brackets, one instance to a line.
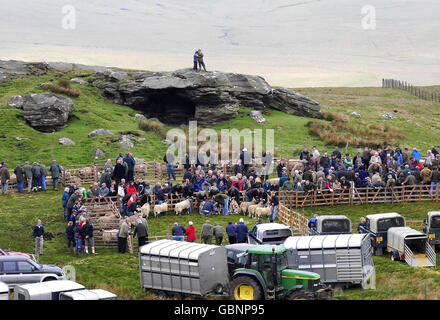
[16, 270]
[236, 257]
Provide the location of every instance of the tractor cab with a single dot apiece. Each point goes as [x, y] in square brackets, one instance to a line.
[377, 226]
[265, 276]
[432, 228]
[331, 224]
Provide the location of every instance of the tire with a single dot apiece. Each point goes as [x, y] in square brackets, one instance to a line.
[245, 288]
[301, 295]
[394, 256]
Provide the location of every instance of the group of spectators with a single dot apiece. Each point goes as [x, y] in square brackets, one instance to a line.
[34, 175]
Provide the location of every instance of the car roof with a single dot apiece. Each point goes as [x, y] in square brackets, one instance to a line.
[271, 226]
[377, 216]
[332, 217]
[13, 258]
[239, 246]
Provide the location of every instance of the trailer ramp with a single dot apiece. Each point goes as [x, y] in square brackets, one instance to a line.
[417, 259]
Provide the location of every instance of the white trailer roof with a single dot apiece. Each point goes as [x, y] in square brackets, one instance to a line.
[324, 241]
[332, 217]
[177, 249]
[271, 226]
[95, 294]
[3, 287]
[51, 286]
[403, 232]
[377, 216]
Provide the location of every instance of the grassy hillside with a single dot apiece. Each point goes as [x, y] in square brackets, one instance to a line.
[416, 118]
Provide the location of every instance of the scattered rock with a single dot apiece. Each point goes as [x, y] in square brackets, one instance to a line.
[355, 114]
[125, 142]
[140, 117]
[79, 81]
[16, 101]
[257, 116]
[100, 132]
[66, 141]
[18, 138]
[47, 112]
[141, 139]
[99, 153]
[389, 116]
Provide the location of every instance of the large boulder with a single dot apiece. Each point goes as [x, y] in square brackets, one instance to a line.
[100, 132]
[66, 141]
[208, 97]
[47, 112]
[16, 101]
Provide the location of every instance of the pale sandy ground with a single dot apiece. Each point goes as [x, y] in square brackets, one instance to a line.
[302, 43]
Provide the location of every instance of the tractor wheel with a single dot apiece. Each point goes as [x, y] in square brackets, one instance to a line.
[301, 295]
[245, 288]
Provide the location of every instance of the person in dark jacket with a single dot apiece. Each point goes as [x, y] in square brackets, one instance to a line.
[118, 172]
[208, 208]
[129, 160]
[141, 230]
[274, 202]
[245, 158]
[19, 173]
[28, 175]
[36, 177]
[231, 232]
[4, 178]
[55, 170]
[70, 236]
[200, 59]
[88, 237]
[195, 59]
[242, 231]
[178, 232]
[218, 234]
[38, 235]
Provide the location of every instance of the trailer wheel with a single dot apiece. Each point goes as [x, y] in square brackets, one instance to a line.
[301, 295]
[245, 288]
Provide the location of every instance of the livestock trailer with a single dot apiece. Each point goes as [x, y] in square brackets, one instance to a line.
[432, 228]
[95, 294]
[186, 268]
[331, 224]
[407, 244]
[377, 226]
[341, 260]
[269, 233]
[4, 291]
[48, 290]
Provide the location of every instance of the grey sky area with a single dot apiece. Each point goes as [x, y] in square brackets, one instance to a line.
[296, 43]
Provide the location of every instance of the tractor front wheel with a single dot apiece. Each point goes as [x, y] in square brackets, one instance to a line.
[301, 295]
[245, 288]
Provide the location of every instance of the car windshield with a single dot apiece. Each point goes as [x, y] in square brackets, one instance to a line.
[336, 225]
[435, 222]
[385, 224]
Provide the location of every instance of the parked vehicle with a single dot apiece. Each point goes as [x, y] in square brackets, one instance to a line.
[13, 253]
[16, 270]
[49, 290]
[236, 255]
[407, 244]
[95, 294]
[269, 233]
[341, 260]
[432, 228]
[266, 276]
[4, 291]
[331, 224]
[184, 268]
[377, 226]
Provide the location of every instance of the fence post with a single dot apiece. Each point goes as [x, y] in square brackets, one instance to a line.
[392, 294]
[425, 290]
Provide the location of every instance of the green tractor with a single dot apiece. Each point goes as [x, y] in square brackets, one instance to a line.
[265, 277]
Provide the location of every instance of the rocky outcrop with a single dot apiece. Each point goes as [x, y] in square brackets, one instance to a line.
[47, 112]
[100, 132]
[16, 101]
[208, 97]
[66, 141]
[12, 69]
[99, 154]
[257, 116]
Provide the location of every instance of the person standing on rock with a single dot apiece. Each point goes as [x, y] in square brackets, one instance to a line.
[200, 59]
[19, 173]
[196, 59]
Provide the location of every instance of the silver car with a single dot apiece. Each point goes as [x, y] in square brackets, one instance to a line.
[16, 270]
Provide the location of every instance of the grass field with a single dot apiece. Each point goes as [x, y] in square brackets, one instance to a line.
[120, 273]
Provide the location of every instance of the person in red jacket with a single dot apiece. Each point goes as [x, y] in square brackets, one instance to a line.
[190, 232]
[131, 188]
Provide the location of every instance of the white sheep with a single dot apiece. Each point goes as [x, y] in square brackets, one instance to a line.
[251, 210]
[158, 208]
[133, 218]
[274, 181]
[107, 219]
[244, 206]
[179, 207]
[263, 212]
[145, 210]
[233, 207]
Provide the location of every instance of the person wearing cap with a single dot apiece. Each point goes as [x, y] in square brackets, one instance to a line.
[242, 231]
[190, 232]
[141, 230]
[206, 234]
